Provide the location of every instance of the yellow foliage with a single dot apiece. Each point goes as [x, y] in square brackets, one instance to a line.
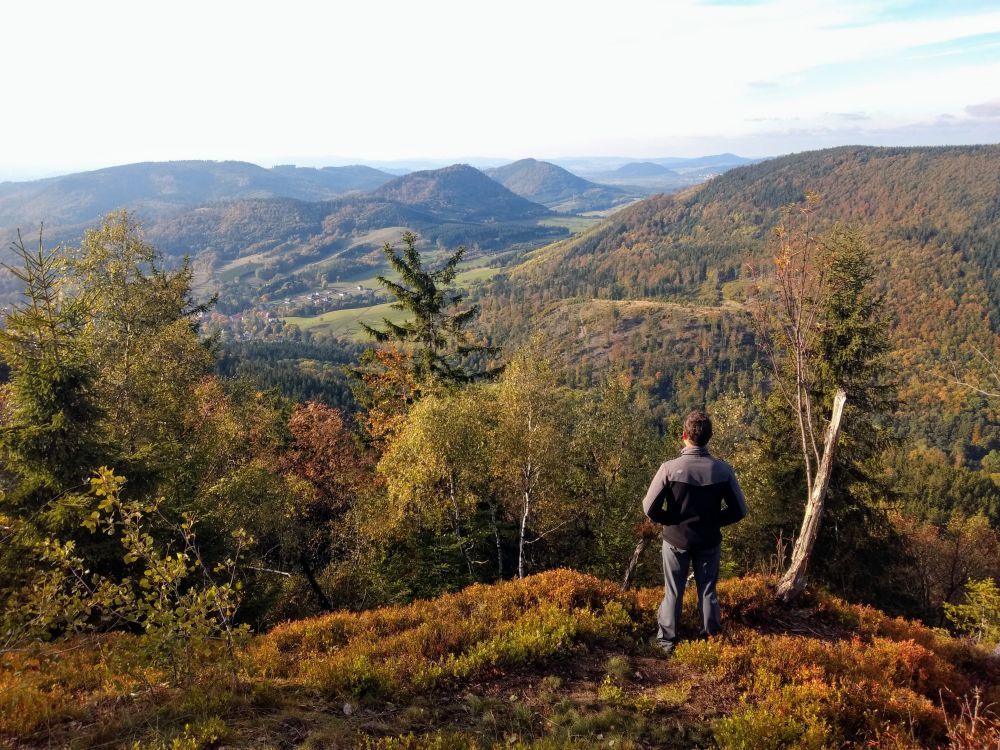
[41, 685]
[449, 638]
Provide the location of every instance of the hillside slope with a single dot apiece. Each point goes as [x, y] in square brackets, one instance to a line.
[557, 188]
[932, 216]
[559, 658]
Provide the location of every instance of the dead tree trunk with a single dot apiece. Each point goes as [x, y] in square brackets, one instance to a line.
[633, 563]
[324, 602]
[647, 532]
[794, 580]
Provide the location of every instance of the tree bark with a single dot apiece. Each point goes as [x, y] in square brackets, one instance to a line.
[524, 529]
[456, 519]
[794, 580]
[496, 538]
[314, 584]
[633, 563]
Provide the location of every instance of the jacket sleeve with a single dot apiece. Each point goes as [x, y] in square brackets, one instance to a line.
[659, 489]
[736, 504]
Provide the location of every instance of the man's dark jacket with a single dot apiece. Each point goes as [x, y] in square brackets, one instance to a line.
[693, 496]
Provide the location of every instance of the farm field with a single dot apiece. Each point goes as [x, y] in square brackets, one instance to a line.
[347, 323]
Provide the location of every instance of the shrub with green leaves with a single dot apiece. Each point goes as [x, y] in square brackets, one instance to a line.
[183, 609]
[979, 615]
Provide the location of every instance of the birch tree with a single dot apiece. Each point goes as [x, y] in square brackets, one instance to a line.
[530, 455]
[436, 470]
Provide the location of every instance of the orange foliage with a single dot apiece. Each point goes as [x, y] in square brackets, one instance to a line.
[389, 388]
[440, 640]
[323, 453]
[822, 674]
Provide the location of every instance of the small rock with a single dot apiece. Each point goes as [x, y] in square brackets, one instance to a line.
[348, 709]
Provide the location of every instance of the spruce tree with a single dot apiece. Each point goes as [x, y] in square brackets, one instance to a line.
[859, 548]
[49, 444]
[436, 332]
[49, 436]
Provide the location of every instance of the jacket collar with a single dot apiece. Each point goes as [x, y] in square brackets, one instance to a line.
[696, 450]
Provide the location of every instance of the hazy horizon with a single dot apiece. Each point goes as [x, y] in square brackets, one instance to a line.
[570, 163]
[410, 164]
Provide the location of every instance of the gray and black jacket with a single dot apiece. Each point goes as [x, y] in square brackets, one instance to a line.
[693, 496]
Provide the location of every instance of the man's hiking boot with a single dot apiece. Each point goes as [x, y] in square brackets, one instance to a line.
[666, 647]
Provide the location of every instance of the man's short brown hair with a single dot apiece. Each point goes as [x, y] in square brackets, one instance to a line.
[698, 427]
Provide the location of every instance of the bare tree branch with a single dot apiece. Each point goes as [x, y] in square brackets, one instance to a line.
[544, 534]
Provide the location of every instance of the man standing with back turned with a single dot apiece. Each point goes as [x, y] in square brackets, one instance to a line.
[693, 496]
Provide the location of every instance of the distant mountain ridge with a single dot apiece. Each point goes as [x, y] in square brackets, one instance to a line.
[260, 240]
[726, 160]
[457, 205]
[593, 165]
[557, 188]
[67, 203]
[654, 175]
[158, 188]
[237, 208]
[642, 169]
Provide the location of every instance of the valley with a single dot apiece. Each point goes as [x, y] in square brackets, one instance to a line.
[658, 280]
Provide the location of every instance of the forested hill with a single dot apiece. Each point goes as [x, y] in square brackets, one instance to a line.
[460, 192]
[677, 266]
[456, 205]
[558, 188]
[945, 199]
[162, 187]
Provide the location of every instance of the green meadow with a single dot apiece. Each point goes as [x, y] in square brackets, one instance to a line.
[347, 323]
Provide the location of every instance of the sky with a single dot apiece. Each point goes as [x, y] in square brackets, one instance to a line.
[99, 83]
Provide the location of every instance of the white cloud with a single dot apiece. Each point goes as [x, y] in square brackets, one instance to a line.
[985, 109]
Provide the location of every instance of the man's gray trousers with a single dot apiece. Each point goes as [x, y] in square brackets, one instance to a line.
[675, 572]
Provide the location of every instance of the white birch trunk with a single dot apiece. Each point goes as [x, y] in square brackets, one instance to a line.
[524, 530]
